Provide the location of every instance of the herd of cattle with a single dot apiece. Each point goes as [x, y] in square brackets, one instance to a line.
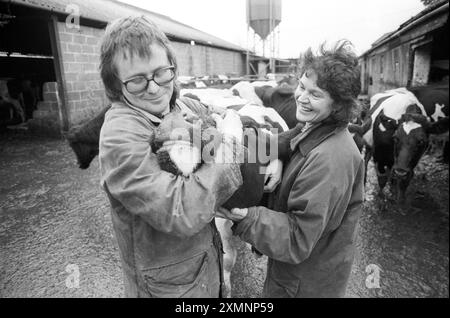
[394, 131]
[18, 100]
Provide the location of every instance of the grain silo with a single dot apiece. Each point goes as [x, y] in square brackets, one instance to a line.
[263, 16]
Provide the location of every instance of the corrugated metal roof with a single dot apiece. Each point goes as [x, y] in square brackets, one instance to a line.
[382, 38]
[108, 10]
[431, 10]
[427, 9]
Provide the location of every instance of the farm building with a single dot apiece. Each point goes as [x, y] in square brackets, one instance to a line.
[415, 54]
[50, 50]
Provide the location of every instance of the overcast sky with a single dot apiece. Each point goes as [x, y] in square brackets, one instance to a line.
[304, 23]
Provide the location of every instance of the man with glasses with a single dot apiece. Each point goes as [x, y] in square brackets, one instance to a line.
[164, 226]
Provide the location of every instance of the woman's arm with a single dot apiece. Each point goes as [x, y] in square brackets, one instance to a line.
[290, 237]
[173, 204]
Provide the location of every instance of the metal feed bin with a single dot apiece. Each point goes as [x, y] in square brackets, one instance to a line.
[263, 16]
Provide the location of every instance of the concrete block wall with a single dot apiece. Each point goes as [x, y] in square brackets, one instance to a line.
[81, 57]
[199, 60]
[46, 118]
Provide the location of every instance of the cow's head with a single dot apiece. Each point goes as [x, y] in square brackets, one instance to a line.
[287, 85]
[410, 142]
[85, 151]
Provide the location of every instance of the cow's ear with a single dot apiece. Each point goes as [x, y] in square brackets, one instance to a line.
[403, 118]
[383, 117]
[388, 122]
[439, 126]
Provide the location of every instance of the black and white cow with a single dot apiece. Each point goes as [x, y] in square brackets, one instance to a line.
[399, 134]
[281, 98]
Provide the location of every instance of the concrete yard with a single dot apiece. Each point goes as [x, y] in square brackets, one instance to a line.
[55, 224]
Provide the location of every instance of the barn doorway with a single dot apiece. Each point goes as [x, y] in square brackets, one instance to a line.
[439, 67]
[430, 64]
[26, 64]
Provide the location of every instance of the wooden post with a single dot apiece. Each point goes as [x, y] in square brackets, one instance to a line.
[270, 36]
[59, 72]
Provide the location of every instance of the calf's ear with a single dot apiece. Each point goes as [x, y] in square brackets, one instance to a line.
[439, 126]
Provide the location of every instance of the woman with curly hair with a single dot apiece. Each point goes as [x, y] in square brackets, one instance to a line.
[309, 231]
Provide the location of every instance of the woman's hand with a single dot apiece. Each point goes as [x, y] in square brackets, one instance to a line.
[273, 175]
[234, 215]
[230, 124]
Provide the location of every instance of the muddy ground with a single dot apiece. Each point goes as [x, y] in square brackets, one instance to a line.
[55, 226]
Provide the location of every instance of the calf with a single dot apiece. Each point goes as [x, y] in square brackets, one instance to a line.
[251, 191]
[83, 139]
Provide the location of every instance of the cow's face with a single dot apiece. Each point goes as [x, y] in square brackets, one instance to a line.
[410, 142]
[287, 85]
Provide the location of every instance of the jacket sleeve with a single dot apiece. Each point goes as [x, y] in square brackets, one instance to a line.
[177, 205]
[290, 237]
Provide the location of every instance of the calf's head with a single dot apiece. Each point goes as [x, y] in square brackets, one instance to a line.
[85, 149]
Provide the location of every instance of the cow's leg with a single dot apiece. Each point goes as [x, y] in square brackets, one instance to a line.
[367, 155]
[382, 176]
[443, 158]
[230, 253]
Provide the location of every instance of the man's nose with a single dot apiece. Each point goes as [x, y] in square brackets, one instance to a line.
[152, 87]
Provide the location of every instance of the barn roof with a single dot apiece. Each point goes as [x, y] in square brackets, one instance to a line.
[108, 10]
[429, 12]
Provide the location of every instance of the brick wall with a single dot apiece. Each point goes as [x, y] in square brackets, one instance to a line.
[46, 119]
[80, 55]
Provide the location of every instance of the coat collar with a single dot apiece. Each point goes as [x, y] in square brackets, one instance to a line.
[153, 118]
[310, 138]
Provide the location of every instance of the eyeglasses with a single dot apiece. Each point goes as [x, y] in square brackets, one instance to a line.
[139, 84]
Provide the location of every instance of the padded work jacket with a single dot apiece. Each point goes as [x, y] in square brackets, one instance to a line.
[164, 224]
[309, 234]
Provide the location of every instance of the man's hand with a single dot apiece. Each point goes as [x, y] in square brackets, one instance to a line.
[234, 215]
[273, 175]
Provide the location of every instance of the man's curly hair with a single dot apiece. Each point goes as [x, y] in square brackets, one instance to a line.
[338, 73]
